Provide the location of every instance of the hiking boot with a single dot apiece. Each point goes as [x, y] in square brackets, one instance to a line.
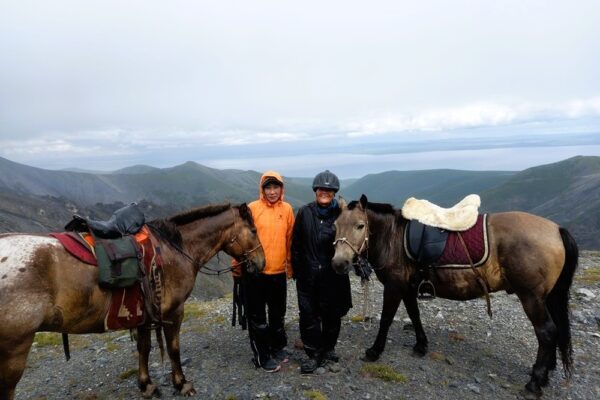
[309, 366]
[269, 365]
[281, 356]
[331, 355]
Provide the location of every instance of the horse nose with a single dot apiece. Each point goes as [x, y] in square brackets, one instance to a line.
[341, 266]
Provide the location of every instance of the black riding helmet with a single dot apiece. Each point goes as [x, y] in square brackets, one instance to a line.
[326, 180]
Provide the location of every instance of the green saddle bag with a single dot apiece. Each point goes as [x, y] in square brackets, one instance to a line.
[118, 262]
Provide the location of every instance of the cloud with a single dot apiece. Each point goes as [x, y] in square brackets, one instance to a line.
[475, 116]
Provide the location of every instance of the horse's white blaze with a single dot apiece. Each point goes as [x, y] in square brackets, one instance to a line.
[16, 252]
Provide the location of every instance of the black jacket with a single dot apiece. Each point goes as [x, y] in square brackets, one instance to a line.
[312, 251]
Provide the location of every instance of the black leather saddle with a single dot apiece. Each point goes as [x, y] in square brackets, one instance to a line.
[425, 244]
[125, 221]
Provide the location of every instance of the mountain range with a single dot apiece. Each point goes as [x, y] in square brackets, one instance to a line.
[40, 200]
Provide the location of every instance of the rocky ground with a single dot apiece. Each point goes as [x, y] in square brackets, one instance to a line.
[470, 356]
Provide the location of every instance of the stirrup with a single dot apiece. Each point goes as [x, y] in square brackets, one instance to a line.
[426, 290]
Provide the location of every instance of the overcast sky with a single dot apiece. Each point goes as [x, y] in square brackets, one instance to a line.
[298, 86]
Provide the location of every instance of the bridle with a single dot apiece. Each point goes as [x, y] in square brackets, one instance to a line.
[234, 239]
[364, 246]
[202, 268]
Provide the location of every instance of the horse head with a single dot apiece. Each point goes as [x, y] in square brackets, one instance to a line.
[352, 234]
[244, 245]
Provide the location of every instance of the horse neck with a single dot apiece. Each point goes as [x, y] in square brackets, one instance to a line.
[205, 237]
[384, 246]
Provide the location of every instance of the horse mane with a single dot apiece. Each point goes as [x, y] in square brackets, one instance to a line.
[380, 208]
[194, 214]
[167, 227]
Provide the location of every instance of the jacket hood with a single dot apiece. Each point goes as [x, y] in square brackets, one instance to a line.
[263, 178]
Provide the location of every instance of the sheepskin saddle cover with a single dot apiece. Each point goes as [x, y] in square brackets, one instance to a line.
[459, 218]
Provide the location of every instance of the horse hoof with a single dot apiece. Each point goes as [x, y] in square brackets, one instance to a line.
[533, 391]
[188, 389]
[150, 391]
[420, 350]
[371, 355]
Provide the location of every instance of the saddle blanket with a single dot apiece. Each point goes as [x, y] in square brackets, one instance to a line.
[476, 240]
[126, 310]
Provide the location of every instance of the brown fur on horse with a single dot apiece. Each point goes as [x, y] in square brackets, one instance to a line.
[43, 288]
[529, 256]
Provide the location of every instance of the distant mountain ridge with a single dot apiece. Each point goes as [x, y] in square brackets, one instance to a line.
[34, 199]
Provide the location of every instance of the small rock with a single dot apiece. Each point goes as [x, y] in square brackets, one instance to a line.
[334, 367]
[586, 292]
[474, 388]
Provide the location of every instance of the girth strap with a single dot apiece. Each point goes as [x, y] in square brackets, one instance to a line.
[478, 276]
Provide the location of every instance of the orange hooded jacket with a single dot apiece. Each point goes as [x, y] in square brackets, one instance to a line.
[274, 224]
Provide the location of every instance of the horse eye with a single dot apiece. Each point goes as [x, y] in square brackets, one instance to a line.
[360, 226]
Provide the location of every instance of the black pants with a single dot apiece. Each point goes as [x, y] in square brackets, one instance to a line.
[323, 300]
[266, 331]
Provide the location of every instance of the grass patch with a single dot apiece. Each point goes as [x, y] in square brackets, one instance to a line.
[216, 320]
[194, 311]
[44, 339]
[128, 374]
[383, 372]
[589, 276]
[314, 395]
[110, 346]
[357, 318]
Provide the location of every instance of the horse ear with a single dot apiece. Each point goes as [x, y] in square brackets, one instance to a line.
[343, 204]
[243, 211]
[363, 202]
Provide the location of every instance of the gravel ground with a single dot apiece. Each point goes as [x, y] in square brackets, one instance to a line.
[470, 356]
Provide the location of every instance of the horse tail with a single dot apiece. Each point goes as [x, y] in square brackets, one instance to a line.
[558, 301]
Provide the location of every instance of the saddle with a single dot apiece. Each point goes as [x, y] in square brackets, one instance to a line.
[127, 220]
[123, 261]
[457, 218]
[454, 238]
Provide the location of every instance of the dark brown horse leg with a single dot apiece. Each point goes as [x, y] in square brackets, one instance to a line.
[547, 336]
[172, 339]
[143, 345]
[412, 308]
[391, 301]
[12, 365]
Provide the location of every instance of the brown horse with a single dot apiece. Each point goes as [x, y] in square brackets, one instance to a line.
[44, 288]
[529, 256]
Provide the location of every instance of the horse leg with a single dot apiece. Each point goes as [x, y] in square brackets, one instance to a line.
[145, 384]
[547, 336]
[12, 365]
[391, 301]
[172, 339]
[412, 308]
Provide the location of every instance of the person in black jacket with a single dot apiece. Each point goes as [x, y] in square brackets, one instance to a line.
[324, 297]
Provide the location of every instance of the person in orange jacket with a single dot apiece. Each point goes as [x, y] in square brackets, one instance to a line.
[274, 220]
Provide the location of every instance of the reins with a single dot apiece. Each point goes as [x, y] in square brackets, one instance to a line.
[204, 269]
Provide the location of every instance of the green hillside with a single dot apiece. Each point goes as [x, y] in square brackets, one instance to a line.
[444, 187]
[34, 199]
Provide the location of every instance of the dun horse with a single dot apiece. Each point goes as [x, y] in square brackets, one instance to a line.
[43, 288]
[529, 256]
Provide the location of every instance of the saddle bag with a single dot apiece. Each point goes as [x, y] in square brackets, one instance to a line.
[118, 262]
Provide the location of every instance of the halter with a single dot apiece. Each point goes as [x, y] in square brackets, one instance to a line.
[365, 242]
[234, 239]
[203, 268]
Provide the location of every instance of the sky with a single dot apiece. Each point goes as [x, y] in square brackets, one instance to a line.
[356, 87]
